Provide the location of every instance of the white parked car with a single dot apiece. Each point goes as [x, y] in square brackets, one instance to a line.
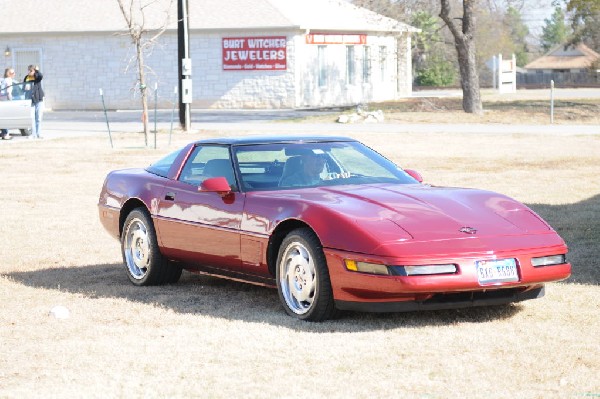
[16, 113]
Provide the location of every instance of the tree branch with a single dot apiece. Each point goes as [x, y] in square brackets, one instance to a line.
[468, 26]
[445, 16]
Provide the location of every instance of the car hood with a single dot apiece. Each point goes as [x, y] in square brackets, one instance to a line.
[409, 213]
[427, 212]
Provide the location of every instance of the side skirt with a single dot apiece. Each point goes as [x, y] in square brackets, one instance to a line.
[231, 275]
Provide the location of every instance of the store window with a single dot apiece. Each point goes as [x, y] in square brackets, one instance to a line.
[23, 57]
[350, 66]
[366, 64]
[383, 62]
[322, 61]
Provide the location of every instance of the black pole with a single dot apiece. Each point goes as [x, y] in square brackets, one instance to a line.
[184, 63]
[180, 56]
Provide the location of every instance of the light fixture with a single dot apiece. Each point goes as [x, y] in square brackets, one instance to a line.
[422, 270]
[7, 52]
[549, 260]
[364, 267]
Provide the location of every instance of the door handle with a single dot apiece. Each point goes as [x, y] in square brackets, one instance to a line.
[170, 196]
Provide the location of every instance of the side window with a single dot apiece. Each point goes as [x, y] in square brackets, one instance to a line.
[208, 161]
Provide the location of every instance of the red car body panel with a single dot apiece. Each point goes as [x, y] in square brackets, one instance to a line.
[391, 224]
[200, 226]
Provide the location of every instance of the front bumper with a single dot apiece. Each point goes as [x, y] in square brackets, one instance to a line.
[362, 291]
[447, 301]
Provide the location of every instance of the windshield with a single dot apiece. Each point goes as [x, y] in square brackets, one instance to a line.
[296, 165]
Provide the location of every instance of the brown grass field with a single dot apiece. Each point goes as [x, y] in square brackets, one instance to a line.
[527, 107]
[211, 338]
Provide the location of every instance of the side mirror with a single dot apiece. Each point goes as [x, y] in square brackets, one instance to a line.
[415, 175]
[215, 185]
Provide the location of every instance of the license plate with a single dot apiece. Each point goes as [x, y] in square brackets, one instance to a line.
[496, 271]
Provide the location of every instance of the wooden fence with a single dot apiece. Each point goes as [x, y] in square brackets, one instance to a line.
[561, 79]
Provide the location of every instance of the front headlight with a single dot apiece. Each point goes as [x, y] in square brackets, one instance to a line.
[423, 270]
[364, 267]
[376, 268]
[549, 260]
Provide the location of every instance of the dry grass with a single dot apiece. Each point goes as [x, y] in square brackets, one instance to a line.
[530, 112]
[206, 337]
[517, 111]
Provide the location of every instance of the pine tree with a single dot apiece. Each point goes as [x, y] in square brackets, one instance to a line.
[585, 17]
[518, 32]
[555, 30]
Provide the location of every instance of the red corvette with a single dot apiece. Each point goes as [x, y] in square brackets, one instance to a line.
[330, 222]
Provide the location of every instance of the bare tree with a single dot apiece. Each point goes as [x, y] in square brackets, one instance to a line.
[144, 38]
[501, 5]
[403, 11]
[464, 42]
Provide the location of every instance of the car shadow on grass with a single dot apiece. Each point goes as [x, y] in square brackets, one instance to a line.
[220, 298]
[579, 225]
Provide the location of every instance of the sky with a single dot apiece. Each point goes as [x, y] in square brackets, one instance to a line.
[534, 14]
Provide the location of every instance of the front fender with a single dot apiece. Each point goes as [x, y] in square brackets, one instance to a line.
[335, 230]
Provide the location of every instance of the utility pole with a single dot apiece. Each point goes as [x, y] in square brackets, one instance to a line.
[184, 64]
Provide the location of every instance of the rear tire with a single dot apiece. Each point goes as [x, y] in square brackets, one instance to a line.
[303, 278]
[144, 263]
[25, 132]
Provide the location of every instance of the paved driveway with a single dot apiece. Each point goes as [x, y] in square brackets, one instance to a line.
[71, 123]
[62, 124]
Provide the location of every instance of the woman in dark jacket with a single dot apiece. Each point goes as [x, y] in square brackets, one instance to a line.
[37, 100]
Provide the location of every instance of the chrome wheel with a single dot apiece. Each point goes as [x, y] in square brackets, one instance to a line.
[136, 249]
[141, 253]
[297, 278]
[302, 277]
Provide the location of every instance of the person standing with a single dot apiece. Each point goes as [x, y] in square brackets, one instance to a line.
[37, 100]
[6, 94]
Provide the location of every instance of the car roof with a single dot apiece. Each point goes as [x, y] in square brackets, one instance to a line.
[247, 140]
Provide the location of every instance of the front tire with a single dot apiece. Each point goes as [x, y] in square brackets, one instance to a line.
[25, 132]
[303, 278]
[141, 255]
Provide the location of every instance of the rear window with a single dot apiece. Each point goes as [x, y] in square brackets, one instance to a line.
[163, 165]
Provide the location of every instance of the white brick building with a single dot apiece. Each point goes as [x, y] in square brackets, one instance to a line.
[314, 53]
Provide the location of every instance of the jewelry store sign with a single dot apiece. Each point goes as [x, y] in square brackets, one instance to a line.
[266, 53]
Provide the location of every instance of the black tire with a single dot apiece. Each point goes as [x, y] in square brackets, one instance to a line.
[25, 132]
[303, 278]
[143, 261]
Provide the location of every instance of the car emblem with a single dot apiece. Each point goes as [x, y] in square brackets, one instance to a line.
[468, 230]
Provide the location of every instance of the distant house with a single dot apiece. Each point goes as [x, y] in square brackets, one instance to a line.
[244, 53]
[565, 64]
